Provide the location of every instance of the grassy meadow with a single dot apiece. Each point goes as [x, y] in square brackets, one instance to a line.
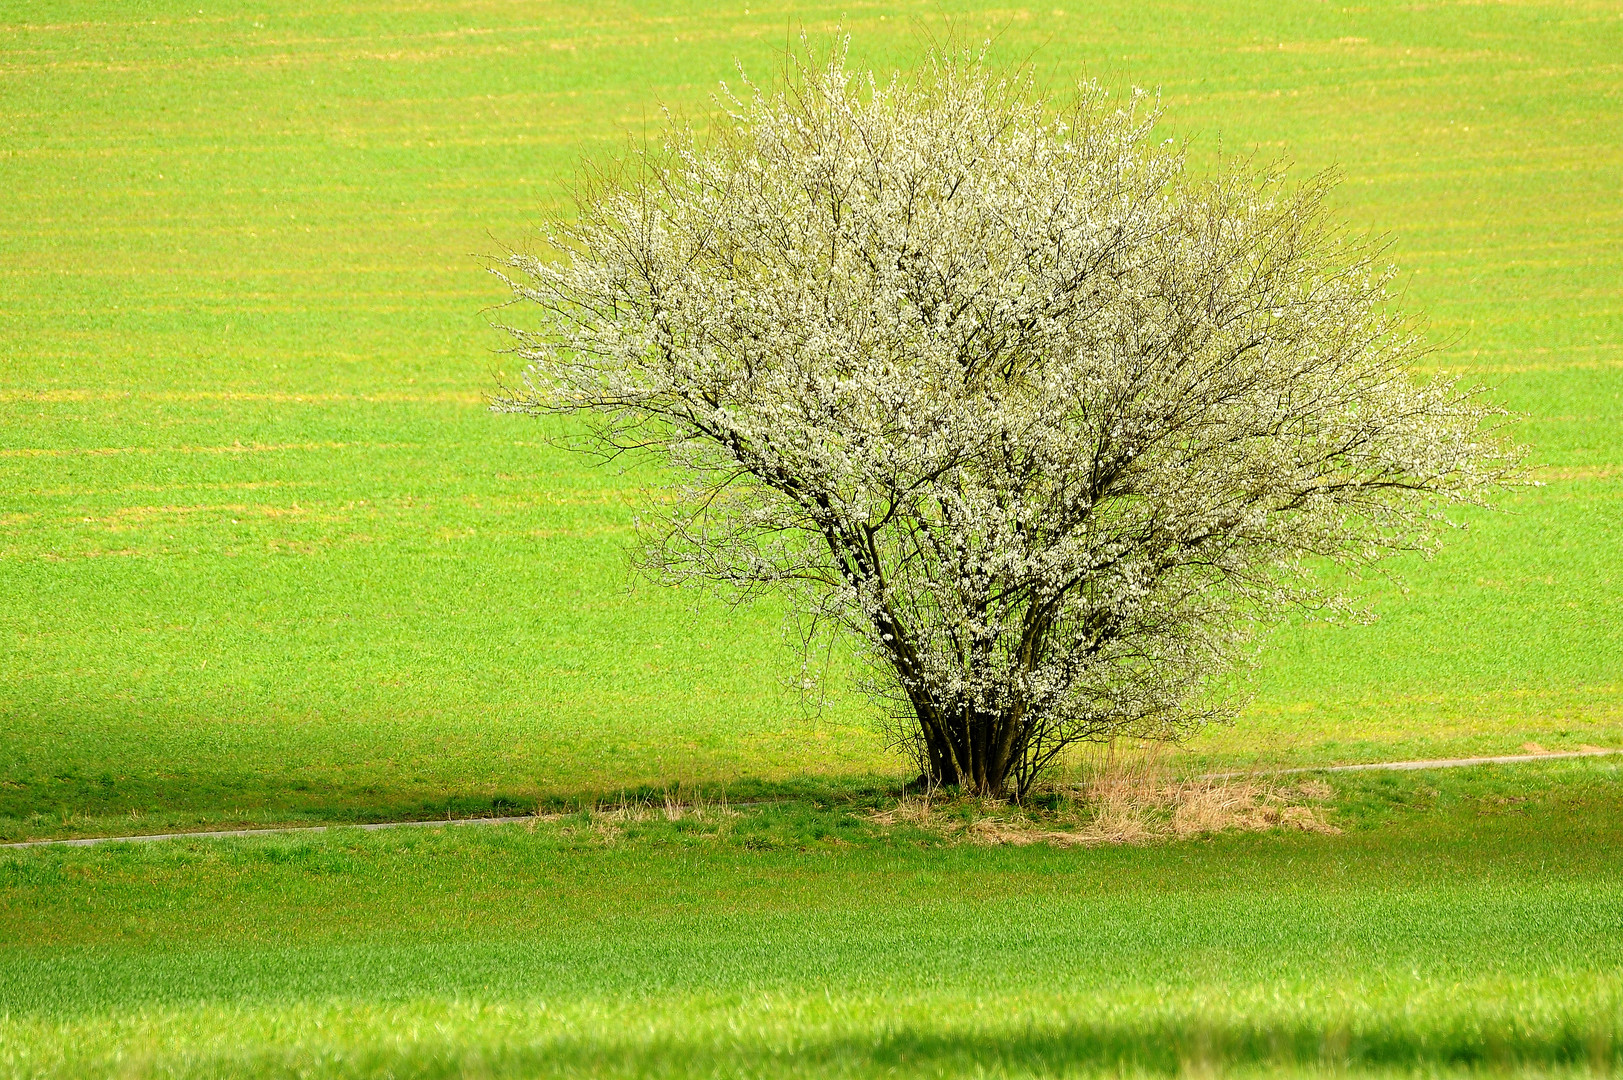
[1459, 922]
[266, 557]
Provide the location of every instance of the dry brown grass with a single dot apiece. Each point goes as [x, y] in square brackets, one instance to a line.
[666, 806]
[1134, 800]
[606, 823]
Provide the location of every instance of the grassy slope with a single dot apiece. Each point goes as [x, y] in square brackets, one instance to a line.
[802, 941]
[264, 556]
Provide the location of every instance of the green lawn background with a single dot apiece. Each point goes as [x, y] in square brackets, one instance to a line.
[264, 554]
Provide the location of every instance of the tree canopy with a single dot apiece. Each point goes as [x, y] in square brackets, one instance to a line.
[986, 379]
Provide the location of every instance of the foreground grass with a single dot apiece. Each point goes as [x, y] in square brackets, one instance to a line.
[265, 557]
[1460, 920]
[1533, 1026]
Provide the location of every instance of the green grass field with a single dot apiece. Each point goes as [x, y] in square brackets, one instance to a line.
[804, 941]
[265, 556]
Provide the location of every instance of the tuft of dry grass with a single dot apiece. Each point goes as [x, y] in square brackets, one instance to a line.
[668, 807]
[1135, 800]
[607, 823]
[1206, 807]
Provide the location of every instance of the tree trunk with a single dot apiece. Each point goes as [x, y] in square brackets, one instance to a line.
[970, 751]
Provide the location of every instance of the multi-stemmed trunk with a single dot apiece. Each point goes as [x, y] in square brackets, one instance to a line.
[976, 752]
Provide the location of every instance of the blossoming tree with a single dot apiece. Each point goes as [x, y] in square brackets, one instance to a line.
[988, 381]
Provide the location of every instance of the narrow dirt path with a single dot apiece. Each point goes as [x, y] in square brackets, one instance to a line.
[1404, 766]
[1437, 763]
[86, 841]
